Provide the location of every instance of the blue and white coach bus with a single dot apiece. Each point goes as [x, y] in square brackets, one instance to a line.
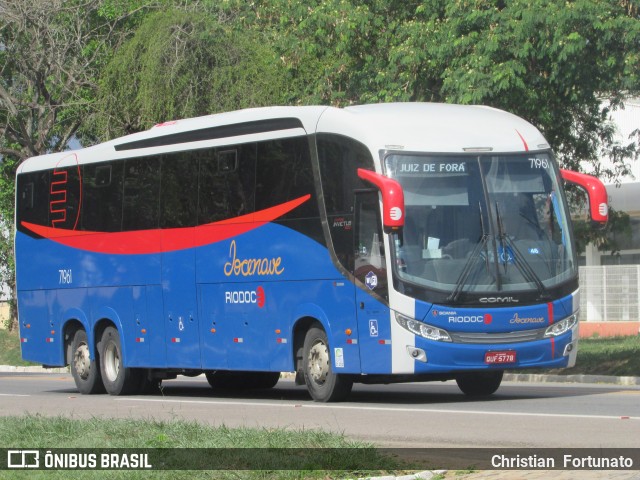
[373, 244]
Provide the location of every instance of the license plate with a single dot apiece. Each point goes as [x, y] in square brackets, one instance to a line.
[493, 358]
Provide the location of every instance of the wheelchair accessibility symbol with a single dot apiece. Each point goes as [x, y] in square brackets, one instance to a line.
[373, 328]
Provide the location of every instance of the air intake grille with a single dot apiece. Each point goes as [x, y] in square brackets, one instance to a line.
[504, 337]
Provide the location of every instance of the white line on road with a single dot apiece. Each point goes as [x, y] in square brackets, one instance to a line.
[377, 409]
[13, 395]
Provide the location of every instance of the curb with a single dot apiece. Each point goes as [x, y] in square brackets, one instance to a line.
[543, 378]
[32, 369]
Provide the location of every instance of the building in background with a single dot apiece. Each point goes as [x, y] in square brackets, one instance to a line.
[610, 284]
[5, 310]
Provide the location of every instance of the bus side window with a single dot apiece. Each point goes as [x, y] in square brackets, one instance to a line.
[226, 183]
[178, 195]
[33, 198]
[65, 197]
[339, 158]
[284, 173]
[370, 265]
[141, 194]
[102, 197]
[26, 196]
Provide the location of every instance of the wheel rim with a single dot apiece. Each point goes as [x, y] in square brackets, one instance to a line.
[318, 362]
[81, 361]
[111, 362]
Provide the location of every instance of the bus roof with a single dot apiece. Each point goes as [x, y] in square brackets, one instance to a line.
[412, 127]
[434, 127]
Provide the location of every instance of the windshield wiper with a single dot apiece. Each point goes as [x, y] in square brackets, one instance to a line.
[471, 261]
[518, 259]
[502, 237]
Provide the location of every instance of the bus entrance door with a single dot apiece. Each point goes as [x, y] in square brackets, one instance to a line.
[371, 271]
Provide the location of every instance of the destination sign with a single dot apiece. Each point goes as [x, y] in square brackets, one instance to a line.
[406, 167]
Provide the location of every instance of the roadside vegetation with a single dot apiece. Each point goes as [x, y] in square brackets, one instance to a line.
[10, 349]
[618, 356]
[263, 446]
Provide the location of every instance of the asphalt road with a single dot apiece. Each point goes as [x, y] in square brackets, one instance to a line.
[418, 415]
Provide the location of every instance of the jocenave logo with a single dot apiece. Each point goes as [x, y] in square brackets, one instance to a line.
[517, 319]
[247, 267]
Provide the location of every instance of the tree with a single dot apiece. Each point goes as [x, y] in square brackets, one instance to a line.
[50, 53]
[182, 64]
[562, 65]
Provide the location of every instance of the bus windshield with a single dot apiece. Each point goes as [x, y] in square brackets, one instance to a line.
[482, 223]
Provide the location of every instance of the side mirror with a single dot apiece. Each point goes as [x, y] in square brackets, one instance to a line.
[598, 207]
[392, 199]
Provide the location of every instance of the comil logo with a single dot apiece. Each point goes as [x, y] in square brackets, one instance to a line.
[499, 300]
[256, 296]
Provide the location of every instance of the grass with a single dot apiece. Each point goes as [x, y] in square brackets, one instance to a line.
[10, 349]
[618, 356]
[296, 449]
[613, 356]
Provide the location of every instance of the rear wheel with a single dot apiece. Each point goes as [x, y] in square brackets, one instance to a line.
[479, 383]
[323, 384]
[117, 379]
[84, 369]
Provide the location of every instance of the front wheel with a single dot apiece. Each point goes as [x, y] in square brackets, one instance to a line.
[479, 383]
[84, 369]
[323, 384]
[117, 379]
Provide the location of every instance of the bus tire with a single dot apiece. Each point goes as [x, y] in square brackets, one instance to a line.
[322, 383]
[85, 372]
[117, 379]
[478, 384]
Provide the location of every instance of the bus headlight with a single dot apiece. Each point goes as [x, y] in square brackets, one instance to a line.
[422, 329]
[561, 327]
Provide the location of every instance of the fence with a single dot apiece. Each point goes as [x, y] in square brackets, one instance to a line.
[610, 293]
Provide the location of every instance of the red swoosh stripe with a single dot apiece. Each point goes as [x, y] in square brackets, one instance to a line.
[163, 240]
